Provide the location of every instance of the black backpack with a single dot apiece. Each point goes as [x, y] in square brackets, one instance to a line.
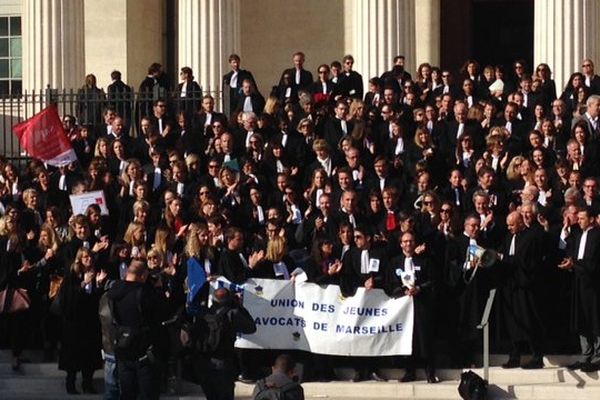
[472, 386]
[290, 391]
[130, 343]
[213, 326]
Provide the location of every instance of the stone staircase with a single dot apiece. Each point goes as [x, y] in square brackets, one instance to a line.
[39, 380]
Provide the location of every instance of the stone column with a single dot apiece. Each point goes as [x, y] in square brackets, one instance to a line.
[209, 31]
[566, 32]
[427, 32]
[53, 44]
[380, 30]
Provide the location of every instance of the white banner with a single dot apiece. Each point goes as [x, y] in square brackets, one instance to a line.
[306, 316]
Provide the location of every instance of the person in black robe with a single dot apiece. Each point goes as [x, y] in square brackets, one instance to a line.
[364, 266]
[469, 283]
[81, 340]
[516, 309]
[583, 260]
[408, 274]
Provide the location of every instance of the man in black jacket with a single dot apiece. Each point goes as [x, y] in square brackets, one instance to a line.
[583, 258]
[216, 358]
[137, 314]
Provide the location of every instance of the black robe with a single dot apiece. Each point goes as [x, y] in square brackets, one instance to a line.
[585, 302]
[515, 275]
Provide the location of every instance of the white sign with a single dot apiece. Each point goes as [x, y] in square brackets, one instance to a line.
[79, 202]
[306, 316]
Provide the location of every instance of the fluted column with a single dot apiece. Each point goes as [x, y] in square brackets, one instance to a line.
[53, 44]
[209, 31]
[381, 30]
[427, 32]
[566, 32]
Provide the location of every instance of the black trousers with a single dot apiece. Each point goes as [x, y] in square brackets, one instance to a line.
[216, 376]
[138, 379]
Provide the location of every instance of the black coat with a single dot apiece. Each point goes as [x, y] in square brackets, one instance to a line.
[351, 277]
[515, 277]
[81, 337]
[469, 288]
[585, 303]
[423, 301]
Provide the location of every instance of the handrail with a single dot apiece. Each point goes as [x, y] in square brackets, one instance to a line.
[484, 324]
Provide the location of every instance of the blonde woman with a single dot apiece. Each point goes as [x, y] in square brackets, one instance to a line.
[135, 237]
[81, 341]
[512, 172]
[276, 264]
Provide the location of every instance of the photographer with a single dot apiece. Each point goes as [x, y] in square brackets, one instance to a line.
[137, 314]
[212, 336]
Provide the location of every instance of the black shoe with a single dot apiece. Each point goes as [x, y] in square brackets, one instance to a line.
[71, 388]
[534, 363]
[511, 363]
[358, 377]
[576, 365]
[590, 367]
[378, 378]
[409, 376]
[432, 378]
[89, 388]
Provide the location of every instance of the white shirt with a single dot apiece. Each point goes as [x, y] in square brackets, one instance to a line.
[208, 119]
[582, 243]
[326, 164]
[297, 77]
[183, 89]
[233, 81]
[180, 188]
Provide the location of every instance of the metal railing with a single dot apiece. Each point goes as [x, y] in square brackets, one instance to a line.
[87, 107]
[485, 325]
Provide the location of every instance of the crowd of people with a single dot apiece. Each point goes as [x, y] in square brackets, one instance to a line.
[411, 174]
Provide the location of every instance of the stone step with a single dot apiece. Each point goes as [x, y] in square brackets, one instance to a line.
[498, 375]
[54, 387]
[440, 391]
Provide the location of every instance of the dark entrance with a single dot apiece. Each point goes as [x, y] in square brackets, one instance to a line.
[493, 32]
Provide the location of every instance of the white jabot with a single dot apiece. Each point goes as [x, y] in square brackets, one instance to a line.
[248, 104]
[364, 262]
[180, 188]
[297, 77]
[582, 243]
[399, 146]
[234, 80]
[344, 126]
[260, 214]
[511, 250]
[157, 178]
[62, 183]
[461, 129]
[244, 260]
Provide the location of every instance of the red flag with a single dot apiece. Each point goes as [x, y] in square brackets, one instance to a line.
[43, 137]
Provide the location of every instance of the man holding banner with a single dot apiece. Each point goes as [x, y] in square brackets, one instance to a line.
[364, 266]
[409, 275]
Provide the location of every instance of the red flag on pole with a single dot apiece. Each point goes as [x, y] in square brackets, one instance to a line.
[43, 137]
